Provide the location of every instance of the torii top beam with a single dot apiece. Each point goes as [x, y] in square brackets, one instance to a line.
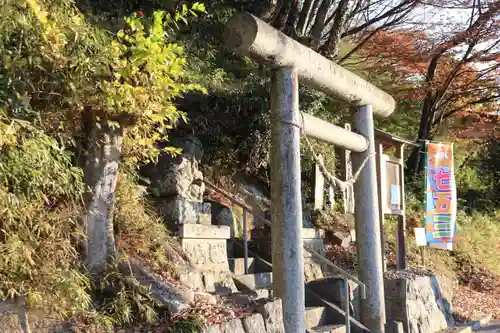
[248, 35]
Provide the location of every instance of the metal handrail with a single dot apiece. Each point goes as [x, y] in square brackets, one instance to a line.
[345, 275]
[307, 248]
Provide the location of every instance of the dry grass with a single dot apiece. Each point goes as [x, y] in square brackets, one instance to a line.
[139, 232]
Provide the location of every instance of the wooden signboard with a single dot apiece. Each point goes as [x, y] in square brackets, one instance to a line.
[392, 186]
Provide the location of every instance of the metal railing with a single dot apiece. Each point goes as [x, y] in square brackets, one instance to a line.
[345, 275]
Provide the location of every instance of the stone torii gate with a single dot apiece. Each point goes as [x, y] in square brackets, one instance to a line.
[290, 60]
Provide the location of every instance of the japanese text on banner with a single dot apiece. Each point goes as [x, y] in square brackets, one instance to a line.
[441, 202]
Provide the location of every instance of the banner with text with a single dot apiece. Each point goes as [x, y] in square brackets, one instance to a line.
[441, 196]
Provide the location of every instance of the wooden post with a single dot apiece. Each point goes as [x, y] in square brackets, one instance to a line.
[245, 241]
[288, 258]
[380, 189]
[401, 229]
[331, 196]
[345, 173]
[319, 186]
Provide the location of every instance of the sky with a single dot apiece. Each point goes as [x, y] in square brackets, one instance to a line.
[445, 21]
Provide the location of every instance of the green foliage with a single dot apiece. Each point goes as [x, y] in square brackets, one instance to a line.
[478, 239]
[124, 300]
[191, 325]
[39, 212]
[403, 122]
[139, 232]
[58, 72]
[53, 176]
[148, 73]
[58, 69]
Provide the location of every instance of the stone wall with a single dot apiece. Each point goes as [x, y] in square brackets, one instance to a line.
[267, 319]
[421, 303]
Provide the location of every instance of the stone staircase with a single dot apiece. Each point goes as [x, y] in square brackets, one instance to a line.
[322, 314]
[318, 320]
[207, 227]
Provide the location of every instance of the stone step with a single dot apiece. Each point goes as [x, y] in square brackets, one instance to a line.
[256, 281]
[315, 316]
[244, 298]
[328, 329]
[331, 289]
[237, 265]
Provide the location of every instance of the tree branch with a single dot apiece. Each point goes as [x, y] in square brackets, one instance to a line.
[373, 33]
[479, 101]
[402, 7]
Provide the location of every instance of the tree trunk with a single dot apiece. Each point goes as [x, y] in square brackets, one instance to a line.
[293, 16]
[331, 47]
[319, 24]
[285, 6]
[414, 163]
[100, 174]
[304, 16]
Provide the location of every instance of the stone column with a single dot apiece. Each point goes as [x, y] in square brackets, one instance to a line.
[288, 263]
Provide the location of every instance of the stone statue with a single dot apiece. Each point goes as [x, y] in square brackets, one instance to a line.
[178, 181]
[180, 175]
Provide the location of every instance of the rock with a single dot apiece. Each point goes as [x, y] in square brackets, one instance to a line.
[101, 175]
[206, 297]
[248, 297]
[272, 313]
[213, 329]
[254, 324]
[192, 279]
[331, 289]
[180, 175]
[233, 326]
[312, 270]
[15, 318]
[190, 231]
[178, 210]
[174, 298]
[314, 239]
[340, 238]
[206, 249]
[224, 216]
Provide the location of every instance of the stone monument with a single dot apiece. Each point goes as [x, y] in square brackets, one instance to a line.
[178, 182]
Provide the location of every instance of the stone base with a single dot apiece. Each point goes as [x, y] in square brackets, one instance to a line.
[181, 211]
[421, 303]
[313, 238]
[205, 246]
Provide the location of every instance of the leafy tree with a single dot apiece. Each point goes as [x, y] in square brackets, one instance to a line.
[453, 74]
[79, 104]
